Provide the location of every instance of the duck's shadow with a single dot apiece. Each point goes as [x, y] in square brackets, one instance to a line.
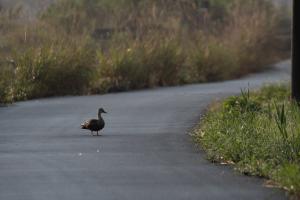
[90, 136]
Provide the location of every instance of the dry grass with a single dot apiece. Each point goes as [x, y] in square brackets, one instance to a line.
[121, 45]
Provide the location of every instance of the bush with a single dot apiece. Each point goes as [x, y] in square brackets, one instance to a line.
[140, 44]
[56, 69]
[121, 69]
[141, 65]
[214, 62]
[164, 61]
[6, 83]
[251, 34]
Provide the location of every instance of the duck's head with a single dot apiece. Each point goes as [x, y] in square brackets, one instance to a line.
[101, 110]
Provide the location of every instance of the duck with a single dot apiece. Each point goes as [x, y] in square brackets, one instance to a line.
[95, 124]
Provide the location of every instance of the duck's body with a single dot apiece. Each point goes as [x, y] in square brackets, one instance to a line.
[95, 124]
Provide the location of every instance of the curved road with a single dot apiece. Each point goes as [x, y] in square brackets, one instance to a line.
[144, 153]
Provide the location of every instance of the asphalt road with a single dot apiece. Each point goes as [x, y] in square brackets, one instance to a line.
[144, 153]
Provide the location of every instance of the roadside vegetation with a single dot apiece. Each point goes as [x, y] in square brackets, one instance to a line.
[83, 47]
[258, 133]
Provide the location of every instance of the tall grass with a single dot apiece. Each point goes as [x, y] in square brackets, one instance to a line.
[210, 59]
[142, 65]
[57, 69]
[6, 83]
[79, 47]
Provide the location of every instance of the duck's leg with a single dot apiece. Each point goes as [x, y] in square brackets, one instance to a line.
[97, 133]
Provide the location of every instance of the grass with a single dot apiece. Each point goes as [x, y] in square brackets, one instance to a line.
[57, 69]
[259, 133]
[83, 47]
[142, 65]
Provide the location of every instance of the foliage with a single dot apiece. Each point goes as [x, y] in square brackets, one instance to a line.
[211, 59]
[57, 69]
[142, 65]
[242, 104]
[6, 82]
[257, 132]
[84, 46]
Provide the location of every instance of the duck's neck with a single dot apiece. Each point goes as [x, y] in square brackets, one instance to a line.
[99, 116]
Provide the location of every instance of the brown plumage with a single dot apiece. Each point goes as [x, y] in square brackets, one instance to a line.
[95, 124]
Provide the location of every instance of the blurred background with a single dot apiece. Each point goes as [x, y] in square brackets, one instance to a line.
[76, 47]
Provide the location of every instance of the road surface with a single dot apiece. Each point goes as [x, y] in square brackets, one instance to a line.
[145, 152]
